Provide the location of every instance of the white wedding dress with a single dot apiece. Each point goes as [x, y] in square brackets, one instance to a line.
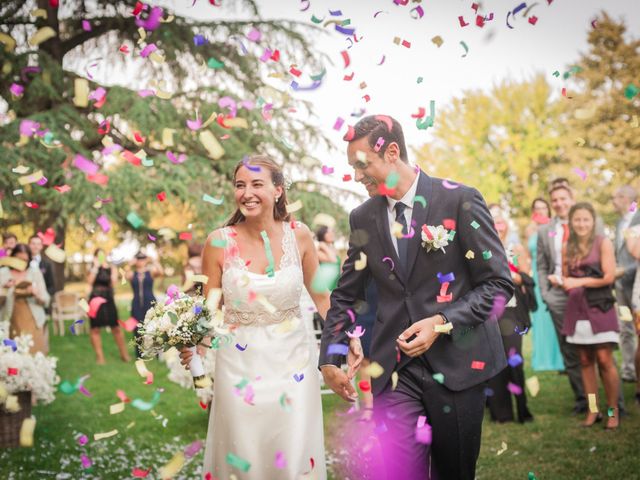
[267, 409]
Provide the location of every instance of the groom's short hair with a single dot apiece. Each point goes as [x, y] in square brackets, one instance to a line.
[375, 126]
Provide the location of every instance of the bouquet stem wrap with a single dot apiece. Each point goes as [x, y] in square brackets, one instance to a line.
[195, 367]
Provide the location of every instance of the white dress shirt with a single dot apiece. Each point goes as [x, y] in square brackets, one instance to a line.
[407, 199]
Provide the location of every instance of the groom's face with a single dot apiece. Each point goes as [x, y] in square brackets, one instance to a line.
[369, 168]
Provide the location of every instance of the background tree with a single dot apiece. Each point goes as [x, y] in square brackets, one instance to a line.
[501, 142]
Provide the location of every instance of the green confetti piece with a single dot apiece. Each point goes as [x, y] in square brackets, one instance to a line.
[531, 476]
[147, 162]
[48, 138]
[243, 383]
[218, 243]
[556, 73]
[475, 225]
[451, 236]
[419, 80]
[316, 20]
[271, 268]
[487, 254]
[428, 121]
[631, 91]
[420, 199]
[135, 221]
[438, 377]
[285, 403]
[392, 180]
[319, 76]
[346, 22]
[611, 412]
[325, 278]
[239, 463]
[146, 406]
[210, 199]
[215, 64]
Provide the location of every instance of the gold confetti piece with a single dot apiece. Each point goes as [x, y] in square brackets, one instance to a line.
[211, 144]
[143, 35]
[584, 113]
[173, 467]
[294, 207]
[580, 141]
[32, 178]
[363, 85]
[593, 404]
[444, 328]
[55, 253]
[81, 92]
[39, 12]
[503, 449]
[396, 230]
[12, 405]
[470, 255]
[42, 35]
[8, 41]
[142, 368]
[361, 263]
[167, 136]
[394, 380]
[2, 215]
[200, 278]
[82, 303]
[237, 122]
[3, 392]
[130, 425]
[26, 432]
[204, 382]
[167, 234]
[157, 58]
[634, 122]
[276, 75]
[20, 169]
[116, 408]
[324, 219]
[169, 19]
[100, 436]
[14, 262]
[374, 370]
[533, 385]
[437, 40]
[624, 313]
[396, 40]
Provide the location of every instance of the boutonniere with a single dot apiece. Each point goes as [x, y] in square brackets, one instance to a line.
[434, 237]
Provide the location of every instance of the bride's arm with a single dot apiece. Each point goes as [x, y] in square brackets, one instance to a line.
[309, 258]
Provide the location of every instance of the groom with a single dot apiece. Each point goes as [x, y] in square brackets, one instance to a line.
[436, 335]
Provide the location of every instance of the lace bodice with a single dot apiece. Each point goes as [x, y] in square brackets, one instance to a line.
[251, 298]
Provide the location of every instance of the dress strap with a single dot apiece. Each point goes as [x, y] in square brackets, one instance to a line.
[290, 253]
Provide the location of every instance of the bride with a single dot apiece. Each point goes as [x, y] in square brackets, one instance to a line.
[266, 420]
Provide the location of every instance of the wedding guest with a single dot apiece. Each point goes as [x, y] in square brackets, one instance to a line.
[546, 350]
[590, 320]
[551, 238]
[326, 277]
[623, 199]
[103, 278]
[513, 323]
[42, 263]
[9, 241]
[193, 267]
[141, 279]
[633, 245]
[23, 298]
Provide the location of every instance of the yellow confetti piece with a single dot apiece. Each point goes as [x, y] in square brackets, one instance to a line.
[470, 255]
[361, 263]
[167, 136]
[374, 370]
[20, 169]
[237, 122]
[81, 92]
[533, 385]
[42, 35]
[3, 393]
[396, 230]
[394, 380]
[39, 12]
[14, 262]
[130, 425]
[157, 58]
[294, 207]
[324, 219]
[204, 382]
[580, 141]
[593, 404]
[8, 41]
[142, 368]
[26, 432]
[503, 449]
[444, 328]
[142, 34]
[624, 313]
[12, 405]
[82, 303]
[211, 144]
[32, 178]
[100, 436]
[173, 467]
[55, 253]
[200, 278]
[634, 121]
[437, 40]
[116, 408]
[169, 19]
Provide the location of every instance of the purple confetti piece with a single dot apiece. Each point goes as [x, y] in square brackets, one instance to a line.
[241, 348]
[446, 278]
[345, 31]
[176, 160]
[86, 25]
[97, 94]
[488, 392]
[266, 55]
[72, 327]
[513, 388]
[26, 70]
[514, 360]
[295, 86]
[253, 168]
[86, 461]
[28, 127]
[16, 89]
[228, 102]
[152, 21]
[104, 223]
[192, 449]
[82, 440]
[337, 349]
[499, 304]
[522, 6]
[148, 50]
[43, 181]
[335, 13]
[298, 378]
[83, 390]
[254, 35]
[87, 166]
[199, 40]
[519, 332]
[423, 432]
[338, 124]
[581, 173]
[10, 343]
[151, 237]
[147, 92]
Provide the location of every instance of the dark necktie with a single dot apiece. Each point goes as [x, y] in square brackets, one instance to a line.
[402, 242]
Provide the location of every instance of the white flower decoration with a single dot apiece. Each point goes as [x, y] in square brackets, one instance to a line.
[434, 237]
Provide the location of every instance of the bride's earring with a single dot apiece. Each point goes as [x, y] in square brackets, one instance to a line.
[277, 199]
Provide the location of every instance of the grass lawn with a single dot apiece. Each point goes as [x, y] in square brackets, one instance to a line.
[552, 447]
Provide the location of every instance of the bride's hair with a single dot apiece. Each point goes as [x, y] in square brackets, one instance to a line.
[263, 161]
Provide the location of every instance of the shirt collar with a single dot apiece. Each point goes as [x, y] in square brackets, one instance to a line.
[408, 197]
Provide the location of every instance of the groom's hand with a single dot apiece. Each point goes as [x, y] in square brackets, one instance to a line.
[339, 382]
[425, 335]
[354, 357]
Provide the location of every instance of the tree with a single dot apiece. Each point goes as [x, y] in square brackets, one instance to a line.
[602, 118]
[501, 142]
[137, 134]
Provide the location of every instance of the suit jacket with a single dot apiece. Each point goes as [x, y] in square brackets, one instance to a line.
[623, 257]
[405, 297]
[47, 273]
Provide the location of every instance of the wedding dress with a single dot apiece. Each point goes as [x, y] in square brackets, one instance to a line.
[266, 419]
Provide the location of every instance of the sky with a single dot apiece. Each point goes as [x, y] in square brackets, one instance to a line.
[391, 72]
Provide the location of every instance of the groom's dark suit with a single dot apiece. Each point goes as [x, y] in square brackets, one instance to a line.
[468, 357]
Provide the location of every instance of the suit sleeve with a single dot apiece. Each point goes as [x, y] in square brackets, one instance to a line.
[351, 287]
[48, 279]
[490, 277]
[544, 263]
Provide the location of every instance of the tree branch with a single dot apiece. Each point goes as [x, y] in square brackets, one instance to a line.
[106, 24]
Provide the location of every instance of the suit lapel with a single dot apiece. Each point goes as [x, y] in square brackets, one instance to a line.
[419, 218]
[388, 250]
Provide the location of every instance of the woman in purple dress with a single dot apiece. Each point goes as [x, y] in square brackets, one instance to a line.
[590, 320]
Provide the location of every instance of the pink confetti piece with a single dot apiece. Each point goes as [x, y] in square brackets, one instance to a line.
[477, 365]
[149, 379]
[43, 181]
[254, 35]
[151, 237]
[327, 170]
[462, 22]
[94, 306]
[28, 127]
[82, 440]
[379, 144]
[352, 315]
[176, 160]
[104, 223]
[280, 461]
[148, 50]
[16, 89]
[581, 173]
[390, 262]
[513, 388]
[338, 124]
[86, 461]
[193, 448]
[140, 473]
[382, 60]
[152, 21]
[417, 12]
[87, 166]
[86, 25]
[449, 185]
[266, 55]
[345, 57]
[230, 103]
[358, 332]
[83, 390]
[194, 124]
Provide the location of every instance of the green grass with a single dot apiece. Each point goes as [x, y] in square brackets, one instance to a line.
[552, 447]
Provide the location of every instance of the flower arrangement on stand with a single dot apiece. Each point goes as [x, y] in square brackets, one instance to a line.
[24, 379]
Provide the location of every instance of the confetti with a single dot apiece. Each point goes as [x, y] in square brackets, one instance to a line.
[477, 365]
[100, 436]
[361, 263]
[337, 349]
[26, 432]
[466, 48]
[280, 462]
[593, 403]
[514, 389]
[533, 385]
[172, 468]
[502, 449]
[237, 462]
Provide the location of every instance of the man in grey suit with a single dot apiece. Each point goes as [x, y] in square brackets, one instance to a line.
[623, 198]
[551, 239]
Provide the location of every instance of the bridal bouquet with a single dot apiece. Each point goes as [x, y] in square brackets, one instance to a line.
[182, 322]
[21, 371]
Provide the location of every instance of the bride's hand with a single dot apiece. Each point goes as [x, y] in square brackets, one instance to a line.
[185, 357]
[354, 357]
